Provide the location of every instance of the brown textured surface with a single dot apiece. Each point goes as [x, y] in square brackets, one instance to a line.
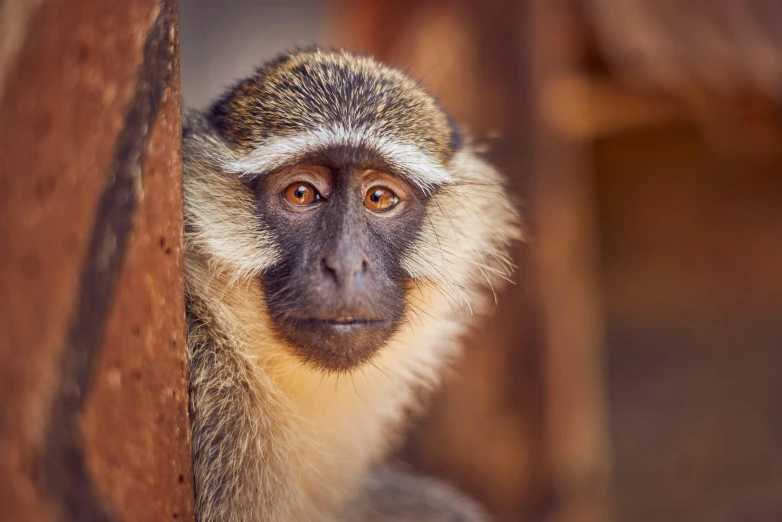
[93, 406]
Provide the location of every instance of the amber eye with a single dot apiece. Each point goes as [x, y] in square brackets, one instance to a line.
[380, 199]
[301, 194]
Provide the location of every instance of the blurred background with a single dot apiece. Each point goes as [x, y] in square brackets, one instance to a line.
[632, 373]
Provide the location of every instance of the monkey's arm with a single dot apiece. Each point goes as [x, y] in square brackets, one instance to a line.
[237, 463]
[393, 496]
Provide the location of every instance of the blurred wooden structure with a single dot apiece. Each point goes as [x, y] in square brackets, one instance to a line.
[620, 379]
[93, 389]
[631, 374]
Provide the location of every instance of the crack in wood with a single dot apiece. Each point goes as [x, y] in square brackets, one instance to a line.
[63, 467]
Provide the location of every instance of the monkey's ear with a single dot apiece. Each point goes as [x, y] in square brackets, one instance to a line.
[457, 138]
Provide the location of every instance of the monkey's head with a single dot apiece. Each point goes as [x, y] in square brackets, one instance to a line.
[336, 189]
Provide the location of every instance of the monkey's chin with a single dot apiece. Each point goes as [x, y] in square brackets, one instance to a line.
[335, 345]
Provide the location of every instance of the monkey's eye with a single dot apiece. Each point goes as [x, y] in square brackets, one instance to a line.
[380, 199]
[301, 194]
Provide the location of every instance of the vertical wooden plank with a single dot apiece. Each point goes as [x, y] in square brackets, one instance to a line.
[93, 389]
[567, 264]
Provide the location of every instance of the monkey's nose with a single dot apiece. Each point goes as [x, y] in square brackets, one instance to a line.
[344, 268]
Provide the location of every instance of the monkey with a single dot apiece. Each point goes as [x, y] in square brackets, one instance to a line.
[340, 233]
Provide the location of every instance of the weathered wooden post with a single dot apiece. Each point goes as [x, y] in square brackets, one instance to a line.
[93, 388]
[577, 443]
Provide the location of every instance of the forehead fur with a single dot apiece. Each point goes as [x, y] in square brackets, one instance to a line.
[311, 90]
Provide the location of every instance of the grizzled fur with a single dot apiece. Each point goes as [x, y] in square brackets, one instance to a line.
[314, 90]
[278, 440]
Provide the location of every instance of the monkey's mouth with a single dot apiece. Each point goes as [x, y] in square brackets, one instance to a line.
[339, 342]
[346, 320]
[345, 325]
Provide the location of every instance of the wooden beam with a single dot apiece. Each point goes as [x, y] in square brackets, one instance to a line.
[93, 385]
[582, 107]
[566, 248]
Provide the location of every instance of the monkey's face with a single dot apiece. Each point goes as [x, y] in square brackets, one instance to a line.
[345, 192]
[342, 224]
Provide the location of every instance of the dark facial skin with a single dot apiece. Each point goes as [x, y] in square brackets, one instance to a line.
[343, 222]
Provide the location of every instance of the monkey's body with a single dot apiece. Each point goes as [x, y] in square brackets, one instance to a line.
[292, 431]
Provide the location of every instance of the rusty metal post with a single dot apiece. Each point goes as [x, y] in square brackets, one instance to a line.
[93, 387]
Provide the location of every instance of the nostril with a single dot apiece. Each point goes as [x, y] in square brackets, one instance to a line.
[343, 269]
[326, 266]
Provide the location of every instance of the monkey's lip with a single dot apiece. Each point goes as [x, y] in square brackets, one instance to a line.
[342, 325]
[335, 340]
[343, 320]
